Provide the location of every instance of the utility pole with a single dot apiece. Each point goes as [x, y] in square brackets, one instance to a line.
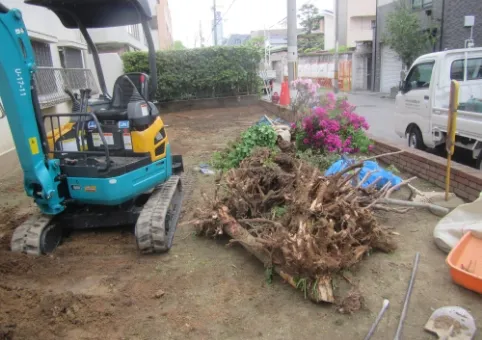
[335, 59]
[215, 33]
[292, 42]
[201, 38]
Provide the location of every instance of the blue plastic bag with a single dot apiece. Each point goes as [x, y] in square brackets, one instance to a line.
[386, 176]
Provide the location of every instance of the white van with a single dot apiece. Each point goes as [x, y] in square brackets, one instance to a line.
[422, 103]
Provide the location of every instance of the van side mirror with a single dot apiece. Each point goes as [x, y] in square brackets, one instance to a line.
[402, 86]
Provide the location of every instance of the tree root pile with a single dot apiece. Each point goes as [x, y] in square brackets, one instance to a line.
[302, 225]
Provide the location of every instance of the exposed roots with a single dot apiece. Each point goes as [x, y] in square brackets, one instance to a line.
[298, 222]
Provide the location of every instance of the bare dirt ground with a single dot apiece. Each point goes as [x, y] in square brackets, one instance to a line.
[96, 286]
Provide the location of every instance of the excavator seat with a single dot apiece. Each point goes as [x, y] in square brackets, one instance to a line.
[128, 88]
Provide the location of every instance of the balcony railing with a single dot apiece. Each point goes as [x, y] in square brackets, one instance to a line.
[51, 83]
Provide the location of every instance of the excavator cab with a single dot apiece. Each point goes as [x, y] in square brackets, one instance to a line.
[111, 163]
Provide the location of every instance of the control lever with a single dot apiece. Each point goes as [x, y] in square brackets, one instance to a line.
[2, 111]
[83, 105]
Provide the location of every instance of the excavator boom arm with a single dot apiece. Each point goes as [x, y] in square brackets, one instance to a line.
[17, 91]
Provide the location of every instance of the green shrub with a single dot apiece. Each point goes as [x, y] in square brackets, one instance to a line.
[201, 73]
[255, 136]
[317, 159]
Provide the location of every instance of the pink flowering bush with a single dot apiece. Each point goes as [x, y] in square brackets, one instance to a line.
[332, 126]
[306, 96]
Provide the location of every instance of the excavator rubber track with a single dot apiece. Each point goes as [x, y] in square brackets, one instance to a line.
[36, 236]
[154, 229]
[157, 222]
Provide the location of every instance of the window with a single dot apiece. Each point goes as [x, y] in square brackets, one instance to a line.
[474, 69]
[71, 58]
[43, 56]
[421, 4]
[134, 31]
[419, 77]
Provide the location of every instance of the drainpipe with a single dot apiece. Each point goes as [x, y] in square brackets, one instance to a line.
[441, 26]
[374, 49]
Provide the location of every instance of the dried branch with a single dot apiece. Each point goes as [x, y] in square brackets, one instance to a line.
[398, 186]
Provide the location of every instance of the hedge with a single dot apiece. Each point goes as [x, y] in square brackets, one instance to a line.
[201, 73]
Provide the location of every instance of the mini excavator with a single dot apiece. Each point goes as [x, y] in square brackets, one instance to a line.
[106, 164]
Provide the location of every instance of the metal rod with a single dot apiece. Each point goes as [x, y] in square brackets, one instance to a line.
[60, 133]
[451, 129]
[53, 134]
[407, 298]
[377, 320]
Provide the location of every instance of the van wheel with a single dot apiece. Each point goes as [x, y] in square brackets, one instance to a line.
[415, 139]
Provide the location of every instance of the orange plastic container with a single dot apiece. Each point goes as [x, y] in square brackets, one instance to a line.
[465, 262]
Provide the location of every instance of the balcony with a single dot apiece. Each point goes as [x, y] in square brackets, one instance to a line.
[117, 37]
[51, 83]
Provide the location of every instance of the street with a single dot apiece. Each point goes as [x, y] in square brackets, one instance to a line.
[379, 114]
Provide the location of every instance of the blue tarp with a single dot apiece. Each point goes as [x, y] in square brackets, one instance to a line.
[277, 121]
[386, 176]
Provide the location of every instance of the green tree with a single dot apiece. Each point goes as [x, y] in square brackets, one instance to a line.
[405, 34]
[178, 45]
[310, 18]
[257, 42]
[311, 42]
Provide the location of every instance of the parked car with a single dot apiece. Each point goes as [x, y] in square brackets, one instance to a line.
[421, 114]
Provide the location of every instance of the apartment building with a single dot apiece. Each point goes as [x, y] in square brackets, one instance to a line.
[355, 18]
[164, 23]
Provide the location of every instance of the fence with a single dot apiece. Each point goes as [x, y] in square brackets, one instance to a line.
[321, 68]
[51, 83]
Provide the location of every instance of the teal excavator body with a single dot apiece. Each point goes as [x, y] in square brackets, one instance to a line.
[130, 178]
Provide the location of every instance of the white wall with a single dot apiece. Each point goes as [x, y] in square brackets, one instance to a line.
[329, 29]
[384, 2]
[359, 16]
[360, 29]
[112, 67]
[361, 8]
[43, 24]
[155, 39]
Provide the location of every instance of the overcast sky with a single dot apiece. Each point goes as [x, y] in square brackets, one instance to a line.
[244, 16]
